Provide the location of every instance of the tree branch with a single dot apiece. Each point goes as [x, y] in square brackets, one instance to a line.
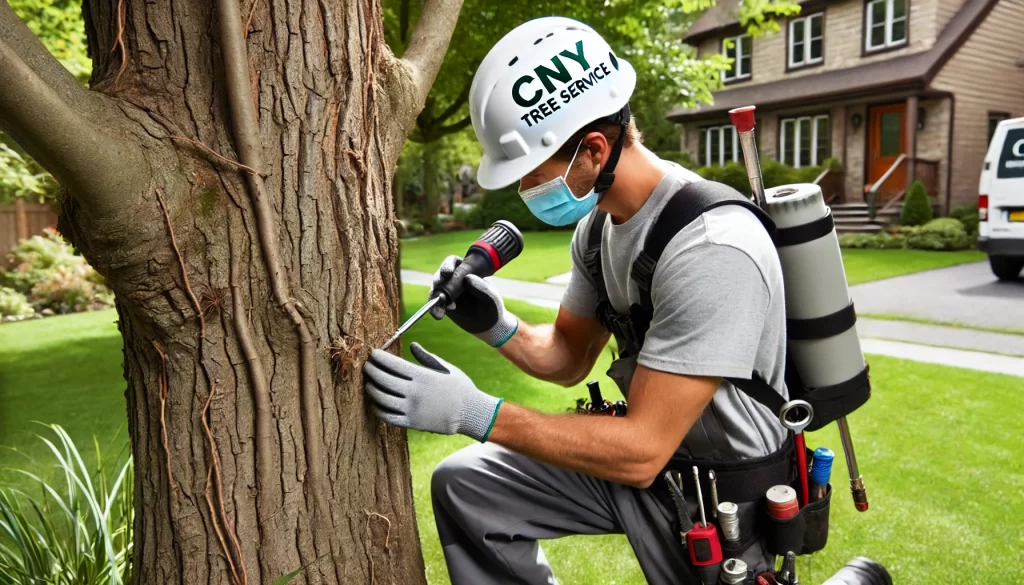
[245, 125]
[454, 107]
[453, 128]
[428, 45]
[31, 50]
[95, 168]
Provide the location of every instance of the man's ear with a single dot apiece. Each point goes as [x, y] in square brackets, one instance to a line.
[598, 148]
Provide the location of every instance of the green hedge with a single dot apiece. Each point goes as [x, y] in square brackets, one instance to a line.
[968, 215]
[773, 174]
[945, 233]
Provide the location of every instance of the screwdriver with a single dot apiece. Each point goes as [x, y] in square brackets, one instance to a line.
[498, 246]
[702, 542]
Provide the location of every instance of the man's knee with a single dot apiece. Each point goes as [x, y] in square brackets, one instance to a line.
[454, 474]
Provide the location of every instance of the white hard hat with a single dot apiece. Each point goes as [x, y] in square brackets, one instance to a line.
[541, 83]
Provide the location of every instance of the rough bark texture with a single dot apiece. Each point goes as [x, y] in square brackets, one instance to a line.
[228, 435]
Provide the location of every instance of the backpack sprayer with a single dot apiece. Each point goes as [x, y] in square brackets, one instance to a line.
[830, 369]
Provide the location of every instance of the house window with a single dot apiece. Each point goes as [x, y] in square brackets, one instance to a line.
[738, 49]
[885, 24]
[719, 145]
[994, 118]
[804, 141]
[805, 40]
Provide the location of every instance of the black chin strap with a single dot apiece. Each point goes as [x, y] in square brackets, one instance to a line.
[607, 175]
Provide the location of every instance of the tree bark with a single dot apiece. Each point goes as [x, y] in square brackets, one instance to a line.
[255, 454]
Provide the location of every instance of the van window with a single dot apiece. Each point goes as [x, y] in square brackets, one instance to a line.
[1011, 157]
[994, 118]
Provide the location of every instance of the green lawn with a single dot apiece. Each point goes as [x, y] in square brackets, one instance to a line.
[868, 265]
[938, 448]
[546, 254]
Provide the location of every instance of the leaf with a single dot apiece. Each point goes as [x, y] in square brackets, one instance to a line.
[287, 578]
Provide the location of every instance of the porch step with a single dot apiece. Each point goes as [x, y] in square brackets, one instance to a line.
[858, 228]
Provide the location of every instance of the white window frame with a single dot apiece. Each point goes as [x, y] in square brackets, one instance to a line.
[807, 39]
[719, 158]
[737, 65]
[889, 22]
[795, 123]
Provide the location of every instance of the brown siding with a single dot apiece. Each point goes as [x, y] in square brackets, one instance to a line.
[843, 41]
[984, 77]
[945, 11]
[932, 140]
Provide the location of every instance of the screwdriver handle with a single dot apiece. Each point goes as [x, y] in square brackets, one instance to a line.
[498, 246]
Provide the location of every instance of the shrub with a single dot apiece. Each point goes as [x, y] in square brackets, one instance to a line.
[76, 530]
[69, 290]
[36, 257]
[968, 215]
[917, 207]
[882, 241]
[944, 233]
[14, 304]
[773, 174]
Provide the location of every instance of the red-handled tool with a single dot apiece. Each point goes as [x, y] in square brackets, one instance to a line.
[498, 246]
[702, 540]
[795, 415]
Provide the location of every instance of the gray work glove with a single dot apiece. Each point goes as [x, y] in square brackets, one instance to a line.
[479, 310]
[435, 397]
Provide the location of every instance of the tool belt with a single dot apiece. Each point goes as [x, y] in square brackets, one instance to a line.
[745, 482]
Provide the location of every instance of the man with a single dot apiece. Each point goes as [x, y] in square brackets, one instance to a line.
[549, 106]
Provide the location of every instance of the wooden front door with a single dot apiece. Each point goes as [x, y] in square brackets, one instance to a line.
[886, 141]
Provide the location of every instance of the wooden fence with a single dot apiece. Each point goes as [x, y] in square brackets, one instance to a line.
[20, 221]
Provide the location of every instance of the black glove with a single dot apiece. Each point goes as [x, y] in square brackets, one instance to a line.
[479, 310]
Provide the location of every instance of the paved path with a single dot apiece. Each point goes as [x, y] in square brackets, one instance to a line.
[962, 348]
[968, 294]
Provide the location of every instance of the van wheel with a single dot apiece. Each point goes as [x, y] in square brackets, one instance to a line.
[1006, 267]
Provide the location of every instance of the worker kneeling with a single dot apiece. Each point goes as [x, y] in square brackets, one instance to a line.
[549, 105]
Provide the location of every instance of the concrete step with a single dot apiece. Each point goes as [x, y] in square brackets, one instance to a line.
[858, 228]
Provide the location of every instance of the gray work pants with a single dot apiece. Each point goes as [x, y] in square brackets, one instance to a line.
[491, 506]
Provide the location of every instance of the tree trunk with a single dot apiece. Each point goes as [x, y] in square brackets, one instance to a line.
[431, 186]
[252, 252]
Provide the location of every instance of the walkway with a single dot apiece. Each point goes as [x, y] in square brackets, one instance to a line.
[962, 348]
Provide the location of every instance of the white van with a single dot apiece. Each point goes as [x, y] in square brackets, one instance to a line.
[1001, 200]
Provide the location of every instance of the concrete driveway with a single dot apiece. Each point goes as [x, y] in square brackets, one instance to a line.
[968, 294]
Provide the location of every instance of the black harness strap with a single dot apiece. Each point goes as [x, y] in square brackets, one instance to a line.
[822, 327]
[808, 232]
[685, 206]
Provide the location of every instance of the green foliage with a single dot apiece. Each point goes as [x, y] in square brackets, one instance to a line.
[77, 531]
[285, 579]
[773, 174]
[59, 25]
[47, 271]
[21, 176]
[882, 241]
[507, 204]
[968, 215]
[14, 304]
[917, 207]
[945, 233]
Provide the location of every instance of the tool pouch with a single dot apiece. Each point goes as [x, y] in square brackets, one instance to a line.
[805, 533]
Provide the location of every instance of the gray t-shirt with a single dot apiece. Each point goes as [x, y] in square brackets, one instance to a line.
[719, 310]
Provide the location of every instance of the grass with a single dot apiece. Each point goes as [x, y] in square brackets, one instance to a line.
[954, 324]
[938, 448]
[869, 265]
[546, 254]
[64, 370]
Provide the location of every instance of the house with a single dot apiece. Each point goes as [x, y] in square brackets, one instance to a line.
[893, 89]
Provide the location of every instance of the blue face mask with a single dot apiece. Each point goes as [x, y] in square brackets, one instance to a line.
[553, 202]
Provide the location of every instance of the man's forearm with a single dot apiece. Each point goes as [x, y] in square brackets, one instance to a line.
[611, 448]
[542, 352]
